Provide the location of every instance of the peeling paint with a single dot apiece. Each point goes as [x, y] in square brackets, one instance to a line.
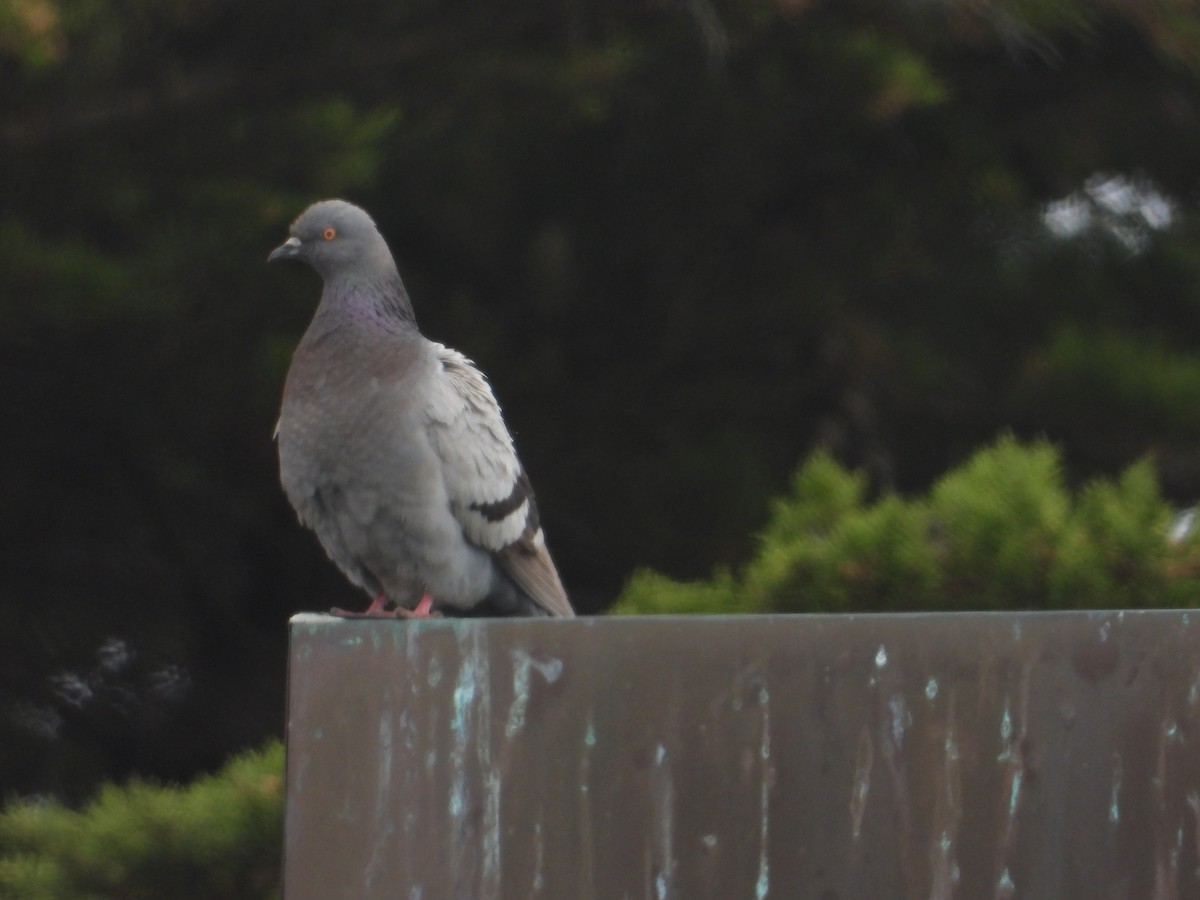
[762, 884]
[385, 752]
[948, 813]
[492, 844]
[520, 687]
[1005, 889]
[468, 795]
[539, 858]
[901, 719]
[464, 696]
[864, 761]
[1006, 732]
[1013, 731]
[1193, 802]
[523, 665]
[662, 787]
[1014, 794]
[881, 657]
[1114, 794]
[1194, 690]
[587, 861]
[931, 689]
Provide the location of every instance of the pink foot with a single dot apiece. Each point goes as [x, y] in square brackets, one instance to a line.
[377, 610]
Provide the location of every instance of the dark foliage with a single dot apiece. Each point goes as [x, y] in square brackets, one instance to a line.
[688, 242]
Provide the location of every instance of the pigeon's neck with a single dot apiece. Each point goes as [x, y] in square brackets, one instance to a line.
[377, 300]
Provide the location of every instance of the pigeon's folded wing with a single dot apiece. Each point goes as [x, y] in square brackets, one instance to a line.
[490, 494]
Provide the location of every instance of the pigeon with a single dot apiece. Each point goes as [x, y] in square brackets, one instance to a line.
[392, 447]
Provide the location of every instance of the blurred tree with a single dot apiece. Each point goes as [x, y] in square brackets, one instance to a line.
[687, 240]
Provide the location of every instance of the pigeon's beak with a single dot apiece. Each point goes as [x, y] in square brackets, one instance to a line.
[289, 249]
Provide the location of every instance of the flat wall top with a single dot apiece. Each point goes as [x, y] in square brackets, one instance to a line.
[911, 756]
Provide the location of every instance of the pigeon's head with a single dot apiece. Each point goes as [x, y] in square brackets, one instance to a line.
[335, 237]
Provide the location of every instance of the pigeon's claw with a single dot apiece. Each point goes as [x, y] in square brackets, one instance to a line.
[424, 609]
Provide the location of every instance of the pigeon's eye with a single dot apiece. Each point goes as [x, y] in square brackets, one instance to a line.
[329, 234]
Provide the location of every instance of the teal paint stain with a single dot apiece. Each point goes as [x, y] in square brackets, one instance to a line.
[463, 698]
[1014, 795]
[1005, 887]
[520, 686]
[901, 719]
[491, 836]
[950, 746]
[1006, 733]
[864, 762]
[385, 753]
[1114, 794]
[762, 884]
[523, 665]
[539, 879]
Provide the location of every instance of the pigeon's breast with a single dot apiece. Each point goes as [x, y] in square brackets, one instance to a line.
[348, 419]
[357, 464]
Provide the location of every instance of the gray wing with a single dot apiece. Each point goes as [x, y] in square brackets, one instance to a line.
[490, 494]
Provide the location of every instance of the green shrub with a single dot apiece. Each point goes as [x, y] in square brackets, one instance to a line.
[1002, 531]
[650, 592]
[1001, 516]
[220, 836]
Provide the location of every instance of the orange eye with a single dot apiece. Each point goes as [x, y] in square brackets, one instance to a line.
[329, 234]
